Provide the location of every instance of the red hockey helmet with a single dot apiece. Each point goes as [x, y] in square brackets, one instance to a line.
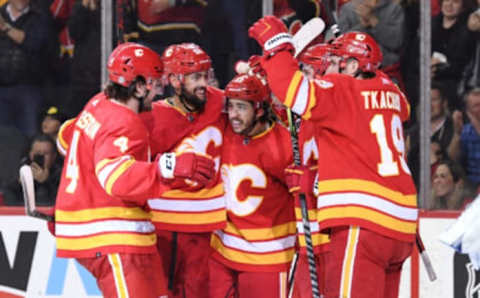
[185, 58]
[317, 57]
[130, 60]
[247, 87]
[360, 46]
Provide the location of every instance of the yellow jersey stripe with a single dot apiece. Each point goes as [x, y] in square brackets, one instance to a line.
[262, 233]
[312, 100]
[204, 193]
[189, 218]
[369, 215]
[292, 88]
[117, 270]
[117, 173]
[312, 213]
[349, 262]
[61, 140]
[317, 239]
[106, 240]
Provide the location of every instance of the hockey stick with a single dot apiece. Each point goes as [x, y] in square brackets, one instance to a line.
[425, 258]
[28, 189]
[332, 21]
[312, 264]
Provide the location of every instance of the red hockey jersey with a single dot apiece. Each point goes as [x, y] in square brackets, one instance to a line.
[363, 177]
[191, 209]
[105, 182]
[260, 234]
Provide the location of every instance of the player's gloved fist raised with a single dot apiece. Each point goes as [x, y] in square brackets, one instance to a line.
[200, 169]
[300, 179]
[272, 35]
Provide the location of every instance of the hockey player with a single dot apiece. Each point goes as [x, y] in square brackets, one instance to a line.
[315, 61]
[254, 251]
[189, 120]
[366, 196]
[106, 180]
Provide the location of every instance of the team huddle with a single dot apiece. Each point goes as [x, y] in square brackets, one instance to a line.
[196, 195]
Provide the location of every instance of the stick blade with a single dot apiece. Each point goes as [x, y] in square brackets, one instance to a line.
[307, 33]
[28, 189]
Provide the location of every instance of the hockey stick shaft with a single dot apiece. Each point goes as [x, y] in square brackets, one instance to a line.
[312, 264]
[331, 19]
[425, 258]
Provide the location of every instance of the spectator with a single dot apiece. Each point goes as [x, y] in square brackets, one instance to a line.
[384, 20]
[46, 170]
[52, 120]
[449, 188]
[471, 74]
[466, 146]
[452, 45]
[441, 128]
[160, 23]
[84, 27]
[24, 38]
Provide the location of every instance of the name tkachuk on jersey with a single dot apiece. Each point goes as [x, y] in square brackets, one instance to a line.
[260, 234]
[190, 209]
[107, 149]
[381, 100]
[358, 185]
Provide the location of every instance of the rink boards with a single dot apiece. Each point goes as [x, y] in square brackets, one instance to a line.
[29, 268]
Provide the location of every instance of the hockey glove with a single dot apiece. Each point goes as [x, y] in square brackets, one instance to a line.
[300, 179]
[272, 35]
[197, 168]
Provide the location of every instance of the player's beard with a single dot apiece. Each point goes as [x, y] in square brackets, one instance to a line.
[192, 100]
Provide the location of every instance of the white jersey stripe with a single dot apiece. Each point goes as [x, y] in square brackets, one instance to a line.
[160, 204]
[257, 246]
[105, 172]
[366, 200]
[91, 228]
[301, 100]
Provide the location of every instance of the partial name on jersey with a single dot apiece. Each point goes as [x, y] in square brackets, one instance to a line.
[375, 99]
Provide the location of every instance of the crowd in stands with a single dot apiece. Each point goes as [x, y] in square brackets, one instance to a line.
[50, 67]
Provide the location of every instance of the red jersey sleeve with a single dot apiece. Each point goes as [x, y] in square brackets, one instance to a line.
[121, 157]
